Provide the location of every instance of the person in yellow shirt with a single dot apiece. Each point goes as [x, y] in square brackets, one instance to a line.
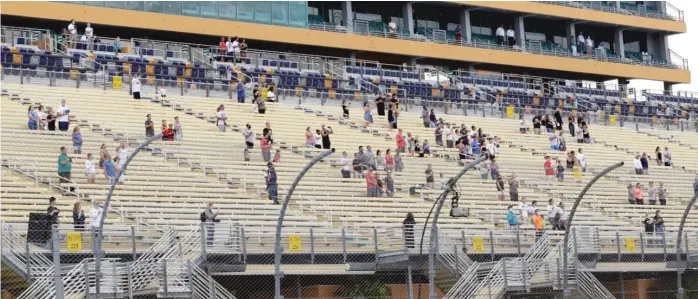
[538, 224]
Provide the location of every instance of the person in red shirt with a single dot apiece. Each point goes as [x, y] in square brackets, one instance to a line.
[266, 148]
[168, 133]
[222, 50]
[389, 161]
[401, 142]
[549, 171]
[371, 184]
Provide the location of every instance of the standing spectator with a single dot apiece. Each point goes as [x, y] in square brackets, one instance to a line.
[400, 140]
[560, 172]
[570, 125]
[243, 49]
[537, 121]
[371, 184]
[230, 50]
[522, 125]
[357, 165]
[570, 160]
[89, 33]
[177, 129]
[398, 162]
[168, 134]
[652, 194]
[449, 136]
[103, 153]
[581, 43]
[458, 32]
[256, 93]
[345, 109]
[538, 224]
[380, 161]
[389, 161]
[109, 170]
[63, 117]
[392, 26]
[42, 123]
[408, 228]
[582, 158]
[637, 164]
[558, 119]
[90, 169]
[500, 188]
[513, 188]
[136, 86]
[73, 30]
[548, 124]
[658, 222]
[309, 138]
[667, 156]
[392, 117]
[317, 139]
[221, 117]
[577, 172]
[249, 136]
[639, 196]
[631, 194]
[277, 157]
[222, 48]
[78, 217]
[344, 162]
[412, 144]
[589, 45]
[77, 141]
[494, 169]
[163, 91]
[645, 163]
[499, 34]
[266, 148]
[430, 177]
[122, 152]
[585, 134]
[209, 218]
[425, 116]
[163, 127]
[271, 183]
[367, 114]
[389, 184]
[512, 218]
[511, 36]
[271, 96]
[432, 119]
[149, 130]
[380, 104]
[562, 216]
[426, 150]
[438, 136]
[52, 211]
[51, 119]
[549, 170]
[117, 45]
[325, 133]
[241, 92]
[117, 168]
[261, 105]
[64, 165]
[662, 194]
[267, 131]
[523, 210]
[552, 218]
[579, 134]
[95, 217]
[658, 154]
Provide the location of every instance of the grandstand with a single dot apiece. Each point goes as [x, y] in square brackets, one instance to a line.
[155, 243]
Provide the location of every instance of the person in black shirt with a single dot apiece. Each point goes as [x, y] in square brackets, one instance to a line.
[345, 109]
[391, 117]
[256, 93]
[78, 217]
[380, 105]
[408, 226]
[325, 134]
[548, 124]
[558, 119]
[51, 119]
[52, 211]
[570, 125]
[537, 120]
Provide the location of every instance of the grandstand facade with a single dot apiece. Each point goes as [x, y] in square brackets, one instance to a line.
[337, 241]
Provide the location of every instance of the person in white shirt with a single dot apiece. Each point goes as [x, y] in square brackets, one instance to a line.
[590, 45]
[344, 162]
[136, 87]
[73, 30]
[249, 136]
[221, 117]
[83, 38]
[582, 158]
[63, 118]
[523, 209]
[511, 36]
[392, 26]
[90, 169]
[581, 43]
[500, 34]
[43, 118]
[562, 216]
[236, 49]
[95, 217]
[89, 35]
[449, 136]
[230, 52]
[123, 153]
[554, 145]
[551, 213]
[637, 164]
[163, 91]
[489, 146]
[271, 96]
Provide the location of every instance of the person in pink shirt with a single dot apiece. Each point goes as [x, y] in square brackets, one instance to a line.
[309, 138]
[401, 142]
[639, 197]
[389, 161]
[266, 149]
[371, 184]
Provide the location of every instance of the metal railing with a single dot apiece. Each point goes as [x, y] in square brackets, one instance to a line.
[588, 284]
[642, 11]
[26, 258]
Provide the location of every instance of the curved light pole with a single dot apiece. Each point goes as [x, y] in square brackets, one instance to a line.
[279, 224]
[433, 237]
[97, 248]
[565, 250]
[679, 268]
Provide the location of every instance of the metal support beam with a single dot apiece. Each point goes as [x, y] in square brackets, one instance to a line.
[679, 267]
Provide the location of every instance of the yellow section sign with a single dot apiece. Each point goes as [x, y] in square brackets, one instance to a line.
[630, 244]
[510, 111]
[294, 243]
[117, 82]
[612, 119]
[74, 241]
[478, 244]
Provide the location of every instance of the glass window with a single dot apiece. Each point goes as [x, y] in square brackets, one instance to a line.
[279, 13]
[114, 4]
[190, 8]
[172, 7]
[152, 6]
[134, 5]
[227, 10]
[95, 3]
[298, 14]
[209, 9]
[262, 11]
[246, 11]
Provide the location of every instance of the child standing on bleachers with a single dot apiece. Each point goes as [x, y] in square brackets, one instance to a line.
[560, 172]
[277, 157]
[246, 154]
[577, 172]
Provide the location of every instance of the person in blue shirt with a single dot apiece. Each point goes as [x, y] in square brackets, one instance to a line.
[271, 183]
[475, 146]
[512, 218]
[241, 92]
[109, 170]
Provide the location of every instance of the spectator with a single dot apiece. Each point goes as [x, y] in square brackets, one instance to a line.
[367, 114]
[458, 32]
[267, 131]
[271, 96]
[371, 184]
[551, 213]
[511, 36]
[73, 30]
[631, 194]
[41, 115]
[652, 194]
[325, 134]
[392, 26]
[230, 50]
[77, 141]
[412, 144]
[589, 45]
[369, 158]
[549, 170]
[585, 134]
[380, 161]
[389, 184]
[118, 166]
[429, 176]
[577, 172]
[90, 170]
[209, 218]
[548, 123]
[109, 170]
[243, 49]
[33, 117]
[266, 148]
[580, 134]
[256, 93]
[89, 33]
[64, 165]
[52, 211]
[512, 218]
[241, 92]
[538, 224]
[523, 210]
[136, 86]
[392, 116]
[398, 162]
[221, 117]
[400, 140]
[425, 117]
[344, 162]
[557, 116]
[222, 48]
[163, 127]
[408, 228]
[581, 43]
[345, 109]
[168, 134]
[450, 137]
[695, 185]
[494, 169]
[637, 164]
[317, 139]
[63, 117]
[438, 136]
[357, 165]
[249, 136]
[426, 150]
[177, 129]
[658, 222]
[389, 161]
[271, 183]
[117, 45]
[499, 33]
[582, 159]
[561, 216]
[667, 156]
[537, 122]
[149, 130]
[570, 160]
[645, 163]
[560, 172]
[500, 188]
[78, 217]
[513, 188]
[262, 105]
[658, 154]
[522, 125]
[570, 125]
[95, 217]
[380, 104]
[51, 119]
[309, 138]
[662, 194]
[103, 154]
[432, 119]
[639, 196]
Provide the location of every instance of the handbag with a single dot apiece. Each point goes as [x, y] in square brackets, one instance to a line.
[457, 211]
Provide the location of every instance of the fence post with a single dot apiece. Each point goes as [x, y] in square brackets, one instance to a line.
[56, 250]
[504, 272]
[524, 272]
[375, 243]
[455, 257]
[212, 287]
[133, 243]
[664, 246]
[409, 282]
[28, 264]
[115, 280]
[642, 248]
[518, 242]
[312, 246]
[344, 245]
[164, 276]
[244, 244]
[191, 278]
[129, 273]
[491, 246]
[203, 245]
[87, 280]
[462, 238]
[618, 245]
